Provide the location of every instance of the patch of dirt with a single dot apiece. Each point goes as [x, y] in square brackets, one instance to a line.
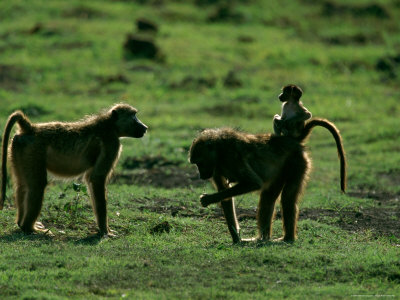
[226, 13]
[247, 99]
[147, 2]
[191, 82]
[32, 110]
[388, 65]
[43, 30]
[141, 68]
[245, 39]
[12, 77]
[331, 8]
[232, 81]
[356, 39]
[381, 197]
[392, 177]
[380, 221]
[70, 45]
[143, 24]
[161, 228]
[147, 162]
[165, 177]
[137, 46]
[345, 66]
[224, 110]
[207, 2]
[83, 12]
[118, 78]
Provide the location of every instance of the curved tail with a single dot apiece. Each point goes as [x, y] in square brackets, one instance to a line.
[338, 139]
[19, 117]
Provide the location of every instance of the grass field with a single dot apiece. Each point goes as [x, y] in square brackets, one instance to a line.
[61, 60]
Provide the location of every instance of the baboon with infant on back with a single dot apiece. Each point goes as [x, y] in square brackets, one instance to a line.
[275, 165]
[90, 147]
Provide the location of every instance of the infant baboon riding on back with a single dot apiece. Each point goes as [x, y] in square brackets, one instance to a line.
[275, 164]
[90, 147]
[294, 114]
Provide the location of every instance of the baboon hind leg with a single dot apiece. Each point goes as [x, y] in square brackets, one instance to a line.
[266, 208]
[291, 194]
[228, 207]
[32, 194]
[30, 179]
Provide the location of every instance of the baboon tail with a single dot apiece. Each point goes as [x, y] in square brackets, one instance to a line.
[338, 139]
[19, 117]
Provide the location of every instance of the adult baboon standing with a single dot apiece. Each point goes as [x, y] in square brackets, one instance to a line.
[275, 165]
[90, 147]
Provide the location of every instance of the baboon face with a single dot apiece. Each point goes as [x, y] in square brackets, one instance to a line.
[204, 157]
[290, 91]
[127, 123]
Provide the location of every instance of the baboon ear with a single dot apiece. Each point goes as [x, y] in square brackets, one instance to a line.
[297, 92]
[114, 114]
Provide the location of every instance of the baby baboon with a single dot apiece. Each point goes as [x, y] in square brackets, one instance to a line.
[90, 147]
[275, 165]
[294, 114]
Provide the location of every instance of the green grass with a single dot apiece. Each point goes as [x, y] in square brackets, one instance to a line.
[348, 244]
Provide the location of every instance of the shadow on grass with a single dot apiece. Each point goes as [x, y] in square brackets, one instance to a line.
[92, 239]
[18, 235]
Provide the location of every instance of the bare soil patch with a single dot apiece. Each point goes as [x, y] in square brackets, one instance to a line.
[12, 77]
[225, 12]
[165, 177]
[228, 109]
[32, 110]
[380, 220]
[196, 83]
[331, 8]
[117, 78]
[143, 24]
[84, 12]
[157, 171]
[388, 65]
[356, 39]
[232, 81]
[138, 46]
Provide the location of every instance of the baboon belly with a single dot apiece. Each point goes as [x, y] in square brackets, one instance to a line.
[66, 164]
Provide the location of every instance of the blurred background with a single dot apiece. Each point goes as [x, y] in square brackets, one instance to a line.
[188, 65]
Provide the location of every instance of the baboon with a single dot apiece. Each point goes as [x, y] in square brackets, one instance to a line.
[275, 165]
[294, 114]
[89, 147]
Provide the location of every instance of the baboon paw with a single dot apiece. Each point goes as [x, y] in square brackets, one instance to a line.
[204, 200]
[284, 240]
[40, 228]
[109, 234]
[249, 240]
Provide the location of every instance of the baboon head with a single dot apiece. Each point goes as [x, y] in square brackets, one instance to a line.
[203, 154]
[126, 122]
[290, 92]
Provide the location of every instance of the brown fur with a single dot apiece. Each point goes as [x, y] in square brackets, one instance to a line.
[275, 165]
[294, 114]
[90, 147]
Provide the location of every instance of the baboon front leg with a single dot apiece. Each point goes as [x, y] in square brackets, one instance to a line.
[228, 207]
[97, 193]
[96, 179]
[266, 209]
[229, 192]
